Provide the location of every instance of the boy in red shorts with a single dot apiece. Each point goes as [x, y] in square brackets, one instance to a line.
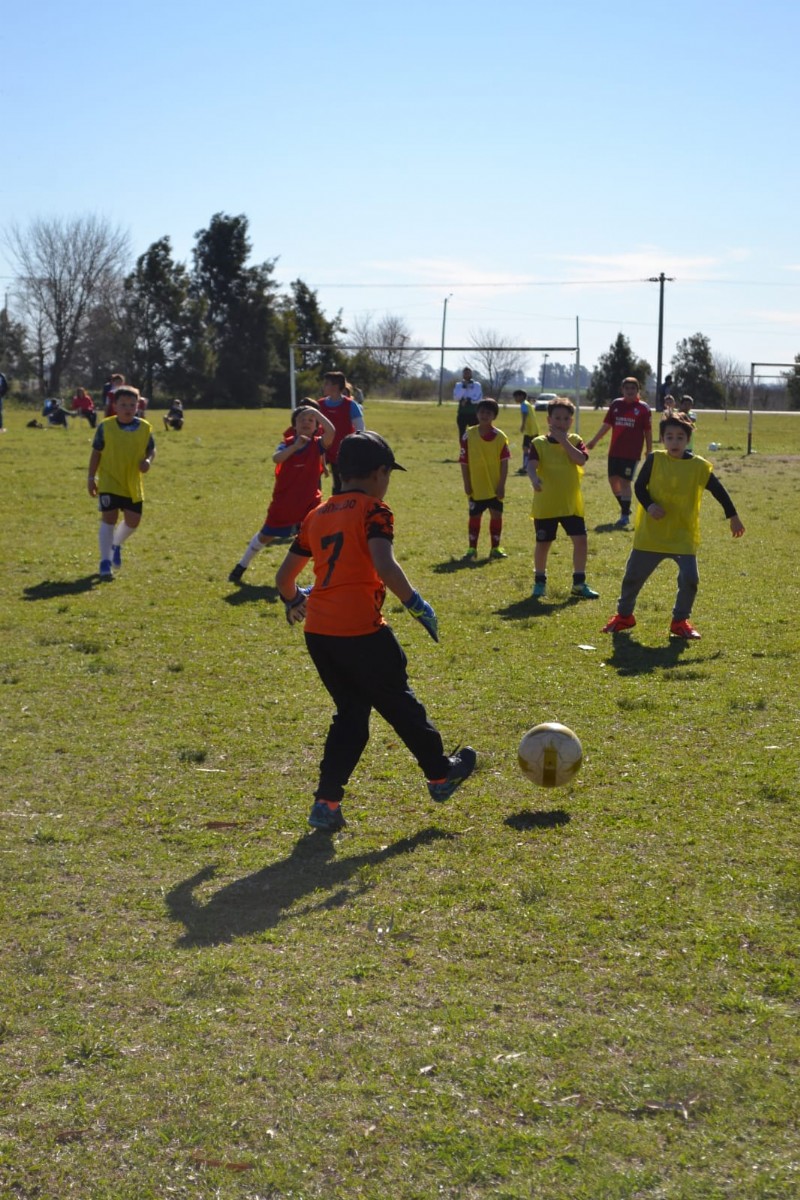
[357, 656]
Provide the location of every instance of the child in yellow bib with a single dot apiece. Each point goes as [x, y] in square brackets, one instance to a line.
[669, 489]
[555, 469]
[484, 468]
[123, 450]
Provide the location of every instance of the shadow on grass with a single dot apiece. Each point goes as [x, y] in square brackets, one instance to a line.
[248, 593]
[460, 564]
[549, 819]
[262, 900]
[522, 609]
[50, 588]
[612, 527]
[629, 657]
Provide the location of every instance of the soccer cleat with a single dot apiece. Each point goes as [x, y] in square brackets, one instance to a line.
[582, 591]
[618, 623]
[522, 471]
[116, 556]
[461, 767]
[623, 522]
[329, 820]
[236, 574]
[684, 629]
[497, 552]
[539, 590]
[105, 570]
[471, 553]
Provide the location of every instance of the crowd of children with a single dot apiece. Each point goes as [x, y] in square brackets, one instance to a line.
[348, 539]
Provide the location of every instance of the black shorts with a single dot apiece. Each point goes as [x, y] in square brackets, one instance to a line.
[625, 468]
[108, 501]
[547, 527]
[476, 507]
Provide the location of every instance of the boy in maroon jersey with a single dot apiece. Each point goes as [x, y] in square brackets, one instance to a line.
[345, 415]
[630, 423]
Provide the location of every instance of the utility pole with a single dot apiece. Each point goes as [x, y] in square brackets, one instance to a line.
[544, 371]
[660, 280]
[441, 361]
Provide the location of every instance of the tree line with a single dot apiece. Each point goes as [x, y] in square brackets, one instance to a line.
[217, 332]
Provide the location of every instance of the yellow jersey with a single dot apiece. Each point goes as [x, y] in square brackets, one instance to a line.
[677, 486]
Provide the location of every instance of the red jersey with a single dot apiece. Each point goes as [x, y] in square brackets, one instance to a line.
[297, 488]
[348, 592]
[341, 418]
[629, 423]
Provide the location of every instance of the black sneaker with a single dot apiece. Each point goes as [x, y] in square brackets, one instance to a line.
[236, 574]
[461, 767]
[329, 820]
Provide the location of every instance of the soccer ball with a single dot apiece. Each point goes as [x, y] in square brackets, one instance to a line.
[550, 755]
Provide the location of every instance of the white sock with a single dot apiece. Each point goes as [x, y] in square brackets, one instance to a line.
[106, 541]
[122, 532]
[251, 551]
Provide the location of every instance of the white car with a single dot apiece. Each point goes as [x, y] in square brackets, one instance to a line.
[542, 401]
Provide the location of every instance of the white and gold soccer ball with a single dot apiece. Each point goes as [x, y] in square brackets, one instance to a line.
[550, 755]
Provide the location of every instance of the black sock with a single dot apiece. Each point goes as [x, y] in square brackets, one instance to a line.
[578, 577]
[625, 505]
[540, 577]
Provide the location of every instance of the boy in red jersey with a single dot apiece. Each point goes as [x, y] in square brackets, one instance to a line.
[345, 415]
[357, 656]
[298, 470]
[630, 423]
[484, 468]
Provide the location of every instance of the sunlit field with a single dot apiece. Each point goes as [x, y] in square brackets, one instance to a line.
[585, 993]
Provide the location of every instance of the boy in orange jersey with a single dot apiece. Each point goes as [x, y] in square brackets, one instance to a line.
[359, 660]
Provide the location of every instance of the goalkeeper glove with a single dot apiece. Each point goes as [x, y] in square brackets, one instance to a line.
[422, 611]
[296, 609]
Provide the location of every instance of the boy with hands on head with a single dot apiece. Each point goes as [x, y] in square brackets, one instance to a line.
[358, 658]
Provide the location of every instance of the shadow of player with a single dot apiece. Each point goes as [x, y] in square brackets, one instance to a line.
[49, 589]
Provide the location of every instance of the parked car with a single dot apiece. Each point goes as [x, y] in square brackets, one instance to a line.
[542, 401]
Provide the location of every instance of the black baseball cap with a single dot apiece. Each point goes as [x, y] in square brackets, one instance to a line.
[362, 453]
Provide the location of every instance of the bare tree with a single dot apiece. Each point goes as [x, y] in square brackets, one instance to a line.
[498, 361]
[63, 267]
[388, 342]
[733, 375]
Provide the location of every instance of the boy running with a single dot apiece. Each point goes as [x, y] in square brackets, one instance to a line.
[484, 468]
[359, 660]
[555, 467]
[630, 422]
[122, 452]
[298, 470]
[669, 489]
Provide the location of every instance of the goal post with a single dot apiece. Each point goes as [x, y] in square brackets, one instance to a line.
[792, 365]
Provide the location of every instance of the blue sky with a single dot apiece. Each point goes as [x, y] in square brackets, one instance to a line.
[394, 155]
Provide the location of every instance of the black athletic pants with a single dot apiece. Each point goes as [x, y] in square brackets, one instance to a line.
[362, 673]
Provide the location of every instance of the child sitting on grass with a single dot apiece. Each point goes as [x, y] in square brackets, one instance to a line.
[359, 660]
[484, 468]
[299, 466]
[555, 467]
[669, 489]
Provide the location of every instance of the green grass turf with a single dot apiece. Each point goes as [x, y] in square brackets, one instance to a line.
[588, 993]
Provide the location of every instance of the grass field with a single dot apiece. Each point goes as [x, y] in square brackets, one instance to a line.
[589, 993]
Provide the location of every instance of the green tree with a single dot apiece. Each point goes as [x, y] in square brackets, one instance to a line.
[156, 302]
[793, 384]
[303, 323]
[14, 360]
[612, 367]
[240, 313]
[695, 373]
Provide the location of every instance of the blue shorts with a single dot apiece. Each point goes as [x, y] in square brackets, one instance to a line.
[279, 531]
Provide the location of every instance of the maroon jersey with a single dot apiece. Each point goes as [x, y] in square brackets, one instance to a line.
[629, 423]
[297, 488]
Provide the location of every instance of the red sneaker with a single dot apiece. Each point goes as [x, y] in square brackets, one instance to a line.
[618, 623]
[683, 629]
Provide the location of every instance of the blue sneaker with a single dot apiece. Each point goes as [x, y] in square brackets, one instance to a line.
[539, 590]
[461, 767]
[116, 556]
[105, 570]
[623, 522]
[582, 591]
[329, 820]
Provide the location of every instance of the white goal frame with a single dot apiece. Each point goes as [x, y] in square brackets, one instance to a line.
[793, 365]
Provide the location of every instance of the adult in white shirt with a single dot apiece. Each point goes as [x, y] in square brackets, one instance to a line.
[468, 394]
